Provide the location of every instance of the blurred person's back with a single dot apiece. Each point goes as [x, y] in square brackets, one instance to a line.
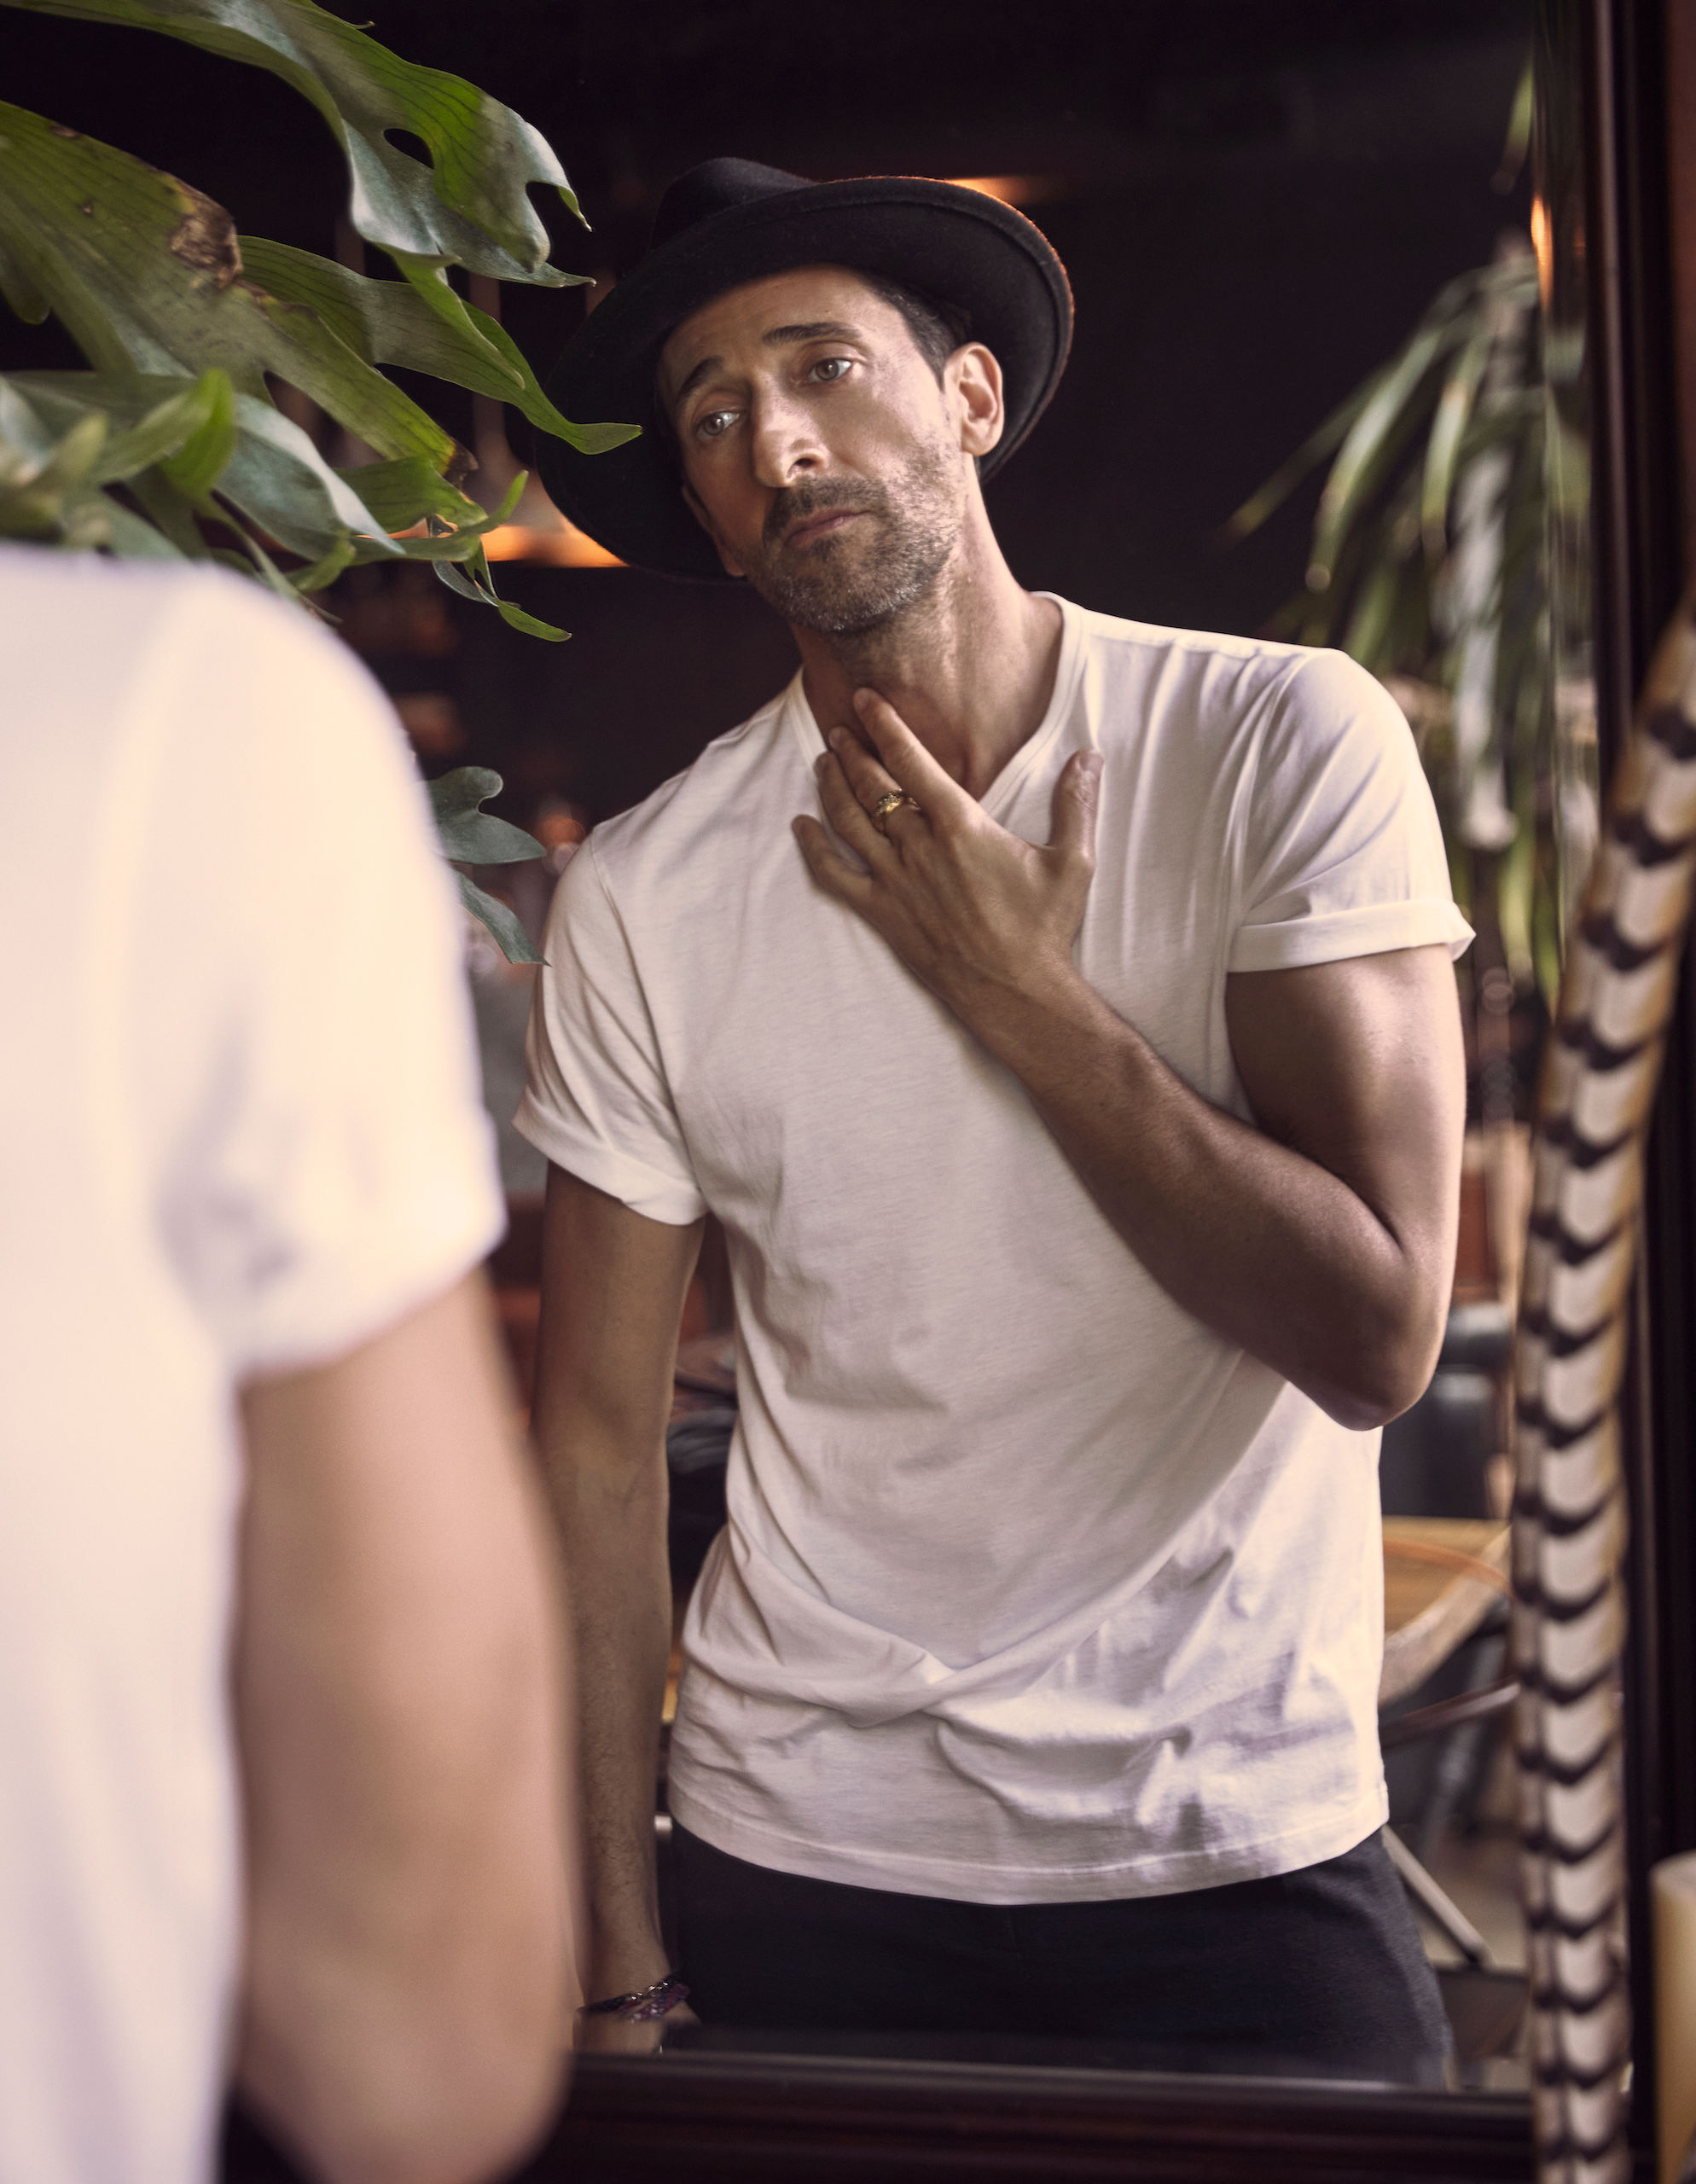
[243, 1176]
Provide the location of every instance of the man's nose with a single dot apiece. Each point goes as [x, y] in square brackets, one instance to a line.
[785, 440]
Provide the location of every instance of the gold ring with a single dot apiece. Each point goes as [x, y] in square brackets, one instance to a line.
[892, 800]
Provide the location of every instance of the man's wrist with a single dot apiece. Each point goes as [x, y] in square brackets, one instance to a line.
[625, 1967]
[1019, 1022]
[642, 2005]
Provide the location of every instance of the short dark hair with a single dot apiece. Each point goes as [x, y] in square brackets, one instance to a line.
[938, 329]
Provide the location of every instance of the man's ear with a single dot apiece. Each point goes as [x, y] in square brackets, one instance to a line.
[974, 374]
[732, 567]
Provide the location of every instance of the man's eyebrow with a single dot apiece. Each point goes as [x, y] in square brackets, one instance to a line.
[817, 330]
[778, 337]
[706, 364]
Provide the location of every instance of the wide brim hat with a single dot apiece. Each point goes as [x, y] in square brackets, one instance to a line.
[731, 221]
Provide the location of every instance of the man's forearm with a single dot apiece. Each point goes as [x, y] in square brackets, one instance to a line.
[613, 1531]
[1261, 1243]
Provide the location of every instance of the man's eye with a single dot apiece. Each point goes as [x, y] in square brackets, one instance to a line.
[716, 423]
[830, 369]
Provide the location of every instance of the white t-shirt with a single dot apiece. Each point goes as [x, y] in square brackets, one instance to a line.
[240, 1133]
[1034, 1587]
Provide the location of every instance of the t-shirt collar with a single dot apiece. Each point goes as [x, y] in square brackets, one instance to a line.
[1029, 755]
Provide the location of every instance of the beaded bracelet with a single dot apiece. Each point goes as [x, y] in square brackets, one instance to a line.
[645, 2004]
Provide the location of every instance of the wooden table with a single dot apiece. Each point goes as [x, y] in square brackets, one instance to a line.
[1442, 1575]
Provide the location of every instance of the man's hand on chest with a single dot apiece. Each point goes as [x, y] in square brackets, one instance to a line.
[986, 920]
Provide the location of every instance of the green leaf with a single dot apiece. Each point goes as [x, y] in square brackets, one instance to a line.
[1517, 142]
[279, 479]
[169, 426]
[24, 299]
[420, 322]
[1451, 302]
[1453, 413]
[403, 493]
[1385, 424]
[458, 544]
[133, 537]
[165, 507]
[23, 432]
[273, 474]
[509, 936]
[47, 484]
[1374, 610]
[533, 404]
[326, 569]
[382, 322]
[146, 274]
[269, 573]
[469, 835]
[201, 460]
[480, 585]
[1288, 475]
[469, 207]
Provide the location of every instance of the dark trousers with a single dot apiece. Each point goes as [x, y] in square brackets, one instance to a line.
[1320, 1969]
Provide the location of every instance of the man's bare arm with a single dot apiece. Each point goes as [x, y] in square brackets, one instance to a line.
[399, 1710]
[612, 1287]
[1323, 1241]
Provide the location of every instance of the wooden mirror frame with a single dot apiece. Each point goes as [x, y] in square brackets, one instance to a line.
[1641, 122]
[758, 2118]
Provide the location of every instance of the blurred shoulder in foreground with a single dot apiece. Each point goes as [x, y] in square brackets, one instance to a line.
[253, 1437]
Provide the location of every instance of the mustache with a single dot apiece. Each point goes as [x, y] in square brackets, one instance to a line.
[794, 503]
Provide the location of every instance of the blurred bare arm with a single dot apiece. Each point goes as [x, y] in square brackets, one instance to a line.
[398, 1702]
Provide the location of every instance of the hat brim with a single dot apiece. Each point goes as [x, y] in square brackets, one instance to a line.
[957, 245]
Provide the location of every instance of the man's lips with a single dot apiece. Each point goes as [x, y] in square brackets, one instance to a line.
[811, 528]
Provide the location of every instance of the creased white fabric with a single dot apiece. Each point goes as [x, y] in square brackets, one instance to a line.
[1034, 1587]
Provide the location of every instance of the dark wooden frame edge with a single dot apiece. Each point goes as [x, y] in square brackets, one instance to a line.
[1638, 551]
[758, 2118]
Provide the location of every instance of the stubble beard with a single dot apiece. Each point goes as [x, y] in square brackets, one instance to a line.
[854, 583]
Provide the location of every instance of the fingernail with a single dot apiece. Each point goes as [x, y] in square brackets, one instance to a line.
[821, 762]
[835, 738]
[864, 697]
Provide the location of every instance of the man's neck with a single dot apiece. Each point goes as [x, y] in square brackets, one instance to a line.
[970, 667]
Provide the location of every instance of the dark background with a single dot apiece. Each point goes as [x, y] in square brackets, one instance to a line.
[1254, 199]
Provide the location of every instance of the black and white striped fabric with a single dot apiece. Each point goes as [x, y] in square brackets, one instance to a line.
[1569, 1513]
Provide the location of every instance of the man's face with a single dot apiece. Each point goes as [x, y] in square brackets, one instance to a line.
[825, 460]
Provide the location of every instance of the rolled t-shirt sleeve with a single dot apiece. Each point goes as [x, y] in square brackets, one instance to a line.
[1344, 855]
[597, 1100]
[338, 1172]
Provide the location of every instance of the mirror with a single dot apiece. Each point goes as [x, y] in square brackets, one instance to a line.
[1258, 207]
[1256, 216]
[1259, 212]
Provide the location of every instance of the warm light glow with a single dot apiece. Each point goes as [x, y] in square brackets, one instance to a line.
[1012, 189]
[1542, 243]
[565, 548]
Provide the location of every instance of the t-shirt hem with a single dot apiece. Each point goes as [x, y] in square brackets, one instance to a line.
[634, 1184]
[1373, 929]
[977, 1881]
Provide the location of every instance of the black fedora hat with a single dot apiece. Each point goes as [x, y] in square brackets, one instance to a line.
[731, 221]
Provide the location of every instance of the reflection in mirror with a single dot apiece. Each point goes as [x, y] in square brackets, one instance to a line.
[1251, 231]
[853, 1864]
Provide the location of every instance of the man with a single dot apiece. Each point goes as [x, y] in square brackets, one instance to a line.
[278, 1663]
[1079, 1085]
